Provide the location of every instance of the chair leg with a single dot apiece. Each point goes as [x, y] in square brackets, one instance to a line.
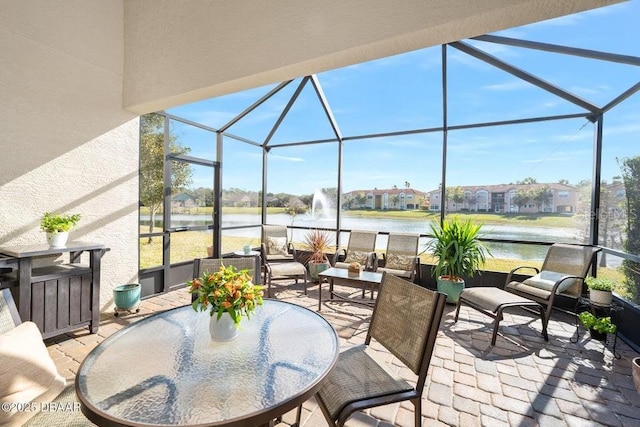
[417, 403]
[298, 416]
[544, 324]
[458, 310]
[496, 323]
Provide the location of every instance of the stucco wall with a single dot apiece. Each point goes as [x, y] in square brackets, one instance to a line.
[66, 144]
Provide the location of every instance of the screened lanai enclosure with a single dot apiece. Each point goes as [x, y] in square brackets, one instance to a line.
[535, 137]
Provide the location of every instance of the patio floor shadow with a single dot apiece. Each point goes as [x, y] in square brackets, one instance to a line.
[521, 381]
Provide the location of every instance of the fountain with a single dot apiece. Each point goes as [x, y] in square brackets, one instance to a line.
[321, 206]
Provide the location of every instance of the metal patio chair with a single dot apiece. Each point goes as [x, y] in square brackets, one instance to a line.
[279, 257]
[401, 257]
[405, 321]
[563, 272]
[361, 248]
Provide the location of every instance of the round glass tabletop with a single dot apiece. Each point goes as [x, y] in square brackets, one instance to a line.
[166, 370]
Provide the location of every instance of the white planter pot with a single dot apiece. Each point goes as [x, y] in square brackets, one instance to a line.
[602, 298]
[223, 329]
[58, 240]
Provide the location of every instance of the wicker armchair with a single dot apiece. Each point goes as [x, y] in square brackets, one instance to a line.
[359, 381]
[563, 272]
[401, 258]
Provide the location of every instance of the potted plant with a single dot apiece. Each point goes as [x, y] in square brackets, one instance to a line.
[459, 254]
[229, 295]
[318, 243]
[598, 327]
[57, 227]
[600, 290]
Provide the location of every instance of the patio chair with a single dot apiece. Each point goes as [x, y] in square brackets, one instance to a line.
[29, 376]
[401, 257]
[563, 272]
[276, 246]
[361, 248]
[279, 257]
[405, 321]
[210, 265]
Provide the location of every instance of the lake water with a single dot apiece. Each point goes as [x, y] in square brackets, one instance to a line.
[416, 226]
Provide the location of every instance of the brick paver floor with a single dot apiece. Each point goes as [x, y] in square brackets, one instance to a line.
[521, 381]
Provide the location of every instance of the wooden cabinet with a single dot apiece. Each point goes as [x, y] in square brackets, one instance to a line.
[57, 298]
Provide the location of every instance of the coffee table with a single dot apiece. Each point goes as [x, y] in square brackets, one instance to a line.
[368, 279]
[165, 370]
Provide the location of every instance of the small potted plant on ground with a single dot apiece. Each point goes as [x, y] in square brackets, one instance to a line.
[600, 290]
[318, 242]
[459, 254]
[57, 227]
[598, 327]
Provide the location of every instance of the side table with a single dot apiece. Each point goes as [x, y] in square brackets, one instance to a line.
[615, 311]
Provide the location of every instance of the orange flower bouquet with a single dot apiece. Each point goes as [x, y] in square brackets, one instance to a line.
[226, 290]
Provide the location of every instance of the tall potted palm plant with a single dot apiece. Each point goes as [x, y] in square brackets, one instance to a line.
[318, 242]
[459, 254]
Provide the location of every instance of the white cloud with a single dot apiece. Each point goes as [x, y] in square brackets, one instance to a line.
[510, 85]
[285, 158]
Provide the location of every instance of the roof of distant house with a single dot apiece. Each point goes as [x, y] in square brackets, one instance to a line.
[377, 192]
[503, 188]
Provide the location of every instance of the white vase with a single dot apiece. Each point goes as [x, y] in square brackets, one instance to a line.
[223, 329]
[58, 240]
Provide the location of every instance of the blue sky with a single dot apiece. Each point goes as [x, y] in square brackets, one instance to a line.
[405, 92]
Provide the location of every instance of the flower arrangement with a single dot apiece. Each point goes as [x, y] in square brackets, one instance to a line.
[226, 290]
[355, 267]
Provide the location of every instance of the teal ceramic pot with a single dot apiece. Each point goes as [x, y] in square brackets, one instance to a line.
[451, 288]
[316, 268]
[127, 296]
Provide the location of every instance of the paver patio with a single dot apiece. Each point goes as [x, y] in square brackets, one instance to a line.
[521, 381]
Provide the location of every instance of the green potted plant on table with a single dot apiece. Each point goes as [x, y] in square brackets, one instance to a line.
[57, 227]
[228, 295]
[598, 327]
[318, 242]
[600, 290]
[459, 254]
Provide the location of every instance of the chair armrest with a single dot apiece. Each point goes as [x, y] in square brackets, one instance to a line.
[336, 256]
[520, 268]
[263, 253]
[292, 249]
[559, 282]
[372, 261]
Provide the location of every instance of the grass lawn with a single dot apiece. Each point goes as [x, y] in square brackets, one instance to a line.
[533, 220]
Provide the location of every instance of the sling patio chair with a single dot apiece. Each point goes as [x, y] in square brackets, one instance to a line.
[563, 272]
[405, 321]
[279, 257]
[361, 248]
[401, 257]
[276, 246]
[211, 265]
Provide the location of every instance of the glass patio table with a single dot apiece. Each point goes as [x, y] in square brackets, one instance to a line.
[165, 370]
